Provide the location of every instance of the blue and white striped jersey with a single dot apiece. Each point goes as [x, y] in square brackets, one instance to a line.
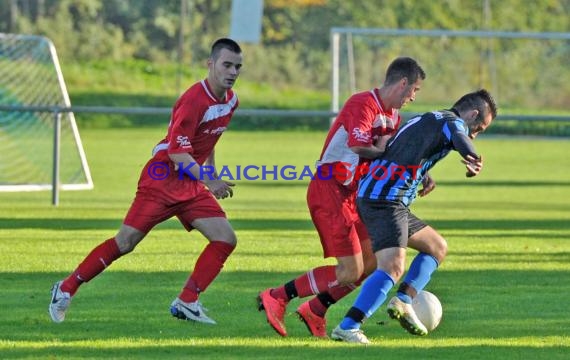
[416, 148]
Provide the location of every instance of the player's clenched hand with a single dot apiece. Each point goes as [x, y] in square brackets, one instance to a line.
[473, 165]
[221, 189]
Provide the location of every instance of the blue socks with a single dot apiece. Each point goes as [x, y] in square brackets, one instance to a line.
[373, 293]
[419, 274]
[376, 287]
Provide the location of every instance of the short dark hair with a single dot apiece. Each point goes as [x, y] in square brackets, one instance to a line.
[224, 43]
[480, 100]
[404, 67]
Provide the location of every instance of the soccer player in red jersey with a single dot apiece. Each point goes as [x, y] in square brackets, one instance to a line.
[359, 134]
[171, 184]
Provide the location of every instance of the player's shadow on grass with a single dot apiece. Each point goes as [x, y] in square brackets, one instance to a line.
[503, 183]
[281, 224]
[114, 224]
[501, 224]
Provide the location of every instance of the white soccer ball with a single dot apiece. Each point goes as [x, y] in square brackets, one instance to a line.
[428, 309]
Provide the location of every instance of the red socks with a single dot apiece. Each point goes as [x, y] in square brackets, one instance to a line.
[320, 281]
[93, 264]
[208, 266]
[316, 281]
[313, 282]
[320, 303]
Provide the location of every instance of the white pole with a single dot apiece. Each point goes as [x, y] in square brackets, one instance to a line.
[351, 69]
[56, 158]
[335, 42]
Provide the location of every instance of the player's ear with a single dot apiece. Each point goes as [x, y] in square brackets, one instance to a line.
[473, 114]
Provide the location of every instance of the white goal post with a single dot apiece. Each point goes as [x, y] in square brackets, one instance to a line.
[521, 69]
[39, 140]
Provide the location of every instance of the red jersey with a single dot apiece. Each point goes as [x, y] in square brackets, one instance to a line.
[197, 122]
[361, 121]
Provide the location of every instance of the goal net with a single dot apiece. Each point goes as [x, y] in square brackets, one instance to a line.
[31, 85]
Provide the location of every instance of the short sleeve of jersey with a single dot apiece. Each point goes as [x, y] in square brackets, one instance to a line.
[184, 123]
[358, 123]
[453, 126]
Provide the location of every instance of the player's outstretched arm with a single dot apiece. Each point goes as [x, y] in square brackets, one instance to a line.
[472, 161]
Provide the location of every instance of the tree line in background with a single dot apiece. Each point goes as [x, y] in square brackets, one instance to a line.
[128, 52]
[295, 39]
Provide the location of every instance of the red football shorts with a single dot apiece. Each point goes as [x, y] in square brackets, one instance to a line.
[160, 199]
[333, 210]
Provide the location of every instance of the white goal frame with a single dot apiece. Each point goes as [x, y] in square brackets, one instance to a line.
[58, 110]
[336, 32]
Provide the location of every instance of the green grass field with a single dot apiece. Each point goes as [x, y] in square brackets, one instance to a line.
[504, 285]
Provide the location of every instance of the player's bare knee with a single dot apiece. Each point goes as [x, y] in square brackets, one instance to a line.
[348, 272]
[396, 274]
[395, 269]
[443, 253]
[440, 251]
[224, 234]
[348, 276]
[216, 229]
[229, 238]
[125, 244]
[128, 238]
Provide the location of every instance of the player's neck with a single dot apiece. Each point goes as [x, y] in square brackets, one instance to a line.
[218, 92]
[386, 96]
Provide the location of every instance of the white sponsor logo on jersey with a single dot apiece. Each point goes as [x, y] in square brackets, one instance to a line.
[362, 136]
[216, 131]
[183, 141]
